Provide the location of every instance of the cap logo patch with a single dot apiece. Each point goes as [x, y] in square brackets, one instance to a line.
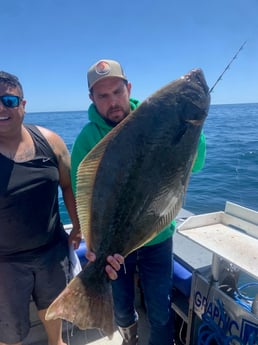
[102, 68]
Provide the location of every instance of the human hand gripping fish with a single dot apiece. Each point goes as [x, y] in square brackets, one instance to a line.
[129, 187]
[114, 263]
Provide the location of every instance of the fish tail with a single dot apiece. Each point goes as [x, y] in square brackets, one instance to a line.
[83, 307]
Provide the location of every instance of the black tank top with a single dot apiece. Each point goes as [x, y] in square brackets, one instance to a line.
[29, 214]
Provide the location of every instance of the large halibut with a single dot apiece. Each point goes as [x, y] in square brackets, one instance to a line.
[129, 187]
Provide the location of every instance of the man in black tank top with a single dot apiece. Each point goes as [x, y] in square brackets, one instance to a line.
[34, 247]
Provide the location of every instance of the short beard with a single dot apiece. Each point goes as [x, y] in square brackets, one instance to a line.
[114, 123]
[111, 123]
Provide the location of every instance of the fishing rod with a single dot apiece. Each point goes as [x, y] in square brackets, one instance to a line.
[227, 67]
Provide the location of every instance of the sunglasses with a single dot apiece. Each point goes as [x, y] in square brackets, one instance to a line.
[10, 101]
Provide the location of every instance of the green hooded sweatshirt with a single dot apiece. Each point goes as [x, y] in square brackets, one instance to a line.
[95, 130]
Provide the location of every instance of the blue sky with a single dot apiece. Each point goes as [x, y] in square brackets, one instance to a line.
[50, 44]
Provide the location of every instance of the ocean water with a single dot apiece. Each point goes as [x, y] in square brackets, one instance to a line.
[231, 168]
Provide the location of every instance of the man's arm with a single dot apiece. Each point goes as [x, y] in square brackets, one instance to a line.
[63, 159]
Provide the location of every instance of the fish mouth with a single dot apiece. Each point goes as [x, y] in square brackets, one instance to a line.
[197, 76]
[195, 97]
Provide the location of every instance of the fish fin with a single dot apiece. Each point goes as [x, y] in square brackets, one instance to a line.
[83, 308]
[86, 175]
[170, 212]
[164, 220]
[176, 200]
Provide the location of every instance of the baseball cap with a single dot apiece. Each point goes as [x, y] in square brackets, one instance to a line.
[103, 69]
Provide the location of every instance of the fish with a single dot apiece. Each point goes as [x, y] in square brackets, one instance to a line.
[129, 187]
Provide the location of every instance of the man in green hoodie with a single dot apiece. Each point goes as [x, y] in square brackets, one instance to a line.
[111, 103]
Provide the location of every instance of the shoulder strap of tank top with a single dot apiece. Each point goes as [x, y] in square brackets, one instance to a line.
[41, 143]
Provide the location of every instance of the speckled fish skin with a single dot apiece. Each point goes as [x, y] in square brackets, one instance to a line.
[129, 187]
